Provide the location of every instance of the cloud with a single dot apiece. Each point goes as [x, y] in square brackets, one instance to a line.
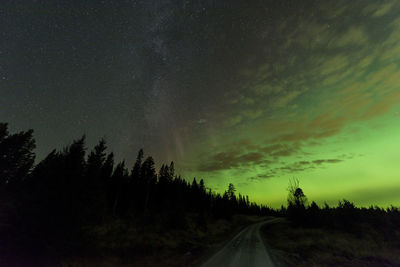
[390, 46]
[339, 70]
[252, 157]
[234, 120]
[301, 166]
[383, 106]
[232, 159]
[377, 77]
[283, 100]
[322, 126]
[354, 104]
[265, 176]
[310, 34]
[280, 150]
[253, 114]
[320, 161]
[353, 36]
[384, 9]
[334, 64]
[273, 148]
[238, 155]
[259, 177]
[291, 169]
[244, 144]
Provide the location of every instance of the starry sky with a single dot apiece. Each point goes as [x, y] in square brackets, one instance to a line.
[248, 92]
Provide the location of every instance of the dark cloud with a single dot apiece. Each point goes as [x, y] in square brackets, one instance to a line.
[261, 176]
[265, 176]
[228, 160]
[291, 169]
[266, 157]
[300, 166]
[280, 150]
[321, 161]
[321, 126]
[235, 157]
[253, 157]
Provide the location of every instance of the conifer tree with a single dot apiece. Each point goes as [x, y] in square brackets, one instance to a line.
[16, 155]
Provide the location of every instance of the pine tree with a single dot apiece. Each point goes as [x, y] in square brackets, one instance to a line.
[148, 174]
[16, 155]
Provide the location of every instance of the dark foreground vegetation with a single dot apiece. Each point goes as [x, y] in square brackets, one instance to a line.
[73, 208]
[344, 235]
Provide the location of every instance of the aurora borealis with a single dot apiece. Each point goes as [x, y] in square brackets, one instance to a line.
[248, 92]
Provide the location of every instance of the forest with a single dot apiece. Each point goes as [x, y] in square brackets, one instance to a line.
[74, 201]
[56, 201]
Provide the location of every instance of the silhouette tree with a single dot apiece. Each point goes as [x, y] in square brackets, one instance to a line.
[16, 155]
[202, 186]
[296, 202]
[313, 215]
[296, 196]
[134, 191]
[231, 192]
[3, 131]
[56, 206]
[148, 174]
[118, 194]
[96, 182]
[171, 171]
[138, 165]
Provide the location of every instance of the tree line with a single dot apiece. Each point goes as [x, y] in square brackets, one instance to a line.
[71, 189]
[345, 217]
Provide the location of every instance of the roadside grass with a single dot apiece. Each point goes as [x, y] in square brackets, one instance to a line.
[299, 246]
[152, 244]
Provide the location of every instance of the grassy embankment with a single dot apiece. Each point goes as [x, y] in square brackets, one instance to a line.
[317, 246]
[151, 244]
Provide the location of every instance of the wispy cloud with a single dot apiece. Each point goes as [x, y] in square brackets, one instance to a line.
[331, 71]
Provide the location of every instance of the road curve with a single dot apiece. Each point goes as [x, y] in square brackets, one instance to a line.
[245, 249]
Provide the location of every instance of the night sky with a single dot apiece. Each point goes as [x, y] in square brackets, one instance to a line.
[248, 92]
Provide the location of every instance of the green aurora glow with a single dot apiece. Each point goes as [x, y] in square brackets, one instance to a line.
[325, 108]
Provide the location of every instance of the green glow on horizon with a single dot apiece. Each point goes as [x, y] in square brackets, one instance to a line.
[370, 177]
[334, 122]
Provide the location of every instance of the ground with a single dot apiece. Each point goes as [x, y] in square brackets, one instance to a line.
[153, 245]
[318, 246]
